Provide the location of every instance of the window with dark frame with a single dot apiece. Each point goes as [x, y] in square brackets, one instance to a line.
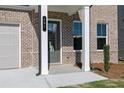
[77, 35]
[101, 35]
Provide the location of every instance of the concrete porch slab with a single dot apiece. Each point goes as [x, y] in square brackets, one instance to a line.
[26, 78]
[67, 79]
[21, 78]
[63, 68]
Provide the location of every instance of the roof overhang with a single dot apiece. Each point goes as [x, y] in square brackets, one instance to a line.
[70, 9]
[21, 7]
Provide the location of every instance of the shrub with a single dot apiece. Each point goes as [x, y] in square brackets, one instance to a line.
[106, 58]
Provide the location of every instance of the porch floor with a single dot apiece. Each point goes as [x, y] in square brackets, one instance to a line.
[26, 78]
[63, 68]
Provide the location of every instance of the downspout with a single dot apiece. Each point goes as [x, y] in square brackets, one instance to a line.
[90, 35]
[39, 39]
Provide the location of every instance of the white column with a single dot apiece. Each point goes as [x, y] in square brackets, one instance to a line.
[85, 41]
[44, 43]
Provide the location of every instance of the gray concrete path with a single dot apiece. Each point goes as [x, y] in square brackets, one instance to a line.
[25, 78]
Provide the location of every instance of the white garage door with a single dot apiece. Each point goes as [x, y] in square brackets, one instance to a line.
[9, 46]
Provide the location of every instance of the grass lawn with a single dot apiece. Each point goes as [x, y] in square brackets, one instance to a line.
[112, 83]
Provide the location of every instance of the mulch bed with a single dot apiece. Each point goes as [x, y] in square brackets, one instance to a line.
[116, 71]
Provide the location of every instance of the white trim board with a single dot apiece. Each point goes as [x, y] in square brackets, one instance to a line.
[19, 45]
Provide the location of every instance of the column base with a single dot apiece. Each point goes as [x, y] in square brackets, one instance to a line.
[86, 69]
[44, 73]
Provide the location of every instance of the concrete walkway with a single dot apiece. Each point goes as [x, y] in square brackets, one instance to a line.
[63, 68]
[25, 78]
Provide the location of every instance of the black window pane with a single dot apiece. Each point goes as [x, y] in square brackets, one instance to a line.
[98, 29]
[103, 29]
[101, 42]
[77, 43]
[77, 28]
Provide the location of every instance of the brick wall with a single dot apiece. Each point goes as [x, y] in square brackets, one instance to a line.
[36, 40]
[28, 31]
[105, 14]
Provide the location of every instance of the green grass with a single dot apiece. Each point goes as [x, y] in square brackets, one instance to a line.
[113, 83]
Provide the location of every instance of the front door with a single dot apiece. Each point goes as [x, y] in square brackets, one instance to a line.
[54, 41]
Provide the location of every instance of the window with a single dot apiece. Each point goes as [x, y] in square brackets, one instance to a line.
[77, 28]
[77, 35]
[77, 43]
[101, 35]
[52, 27]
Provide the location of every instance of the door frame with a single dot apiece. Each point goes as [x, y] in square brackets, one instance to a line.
[20, 46]
[52, 19]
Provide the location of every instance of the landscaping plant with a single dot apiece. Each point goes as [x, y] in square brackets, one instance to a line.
[106, 58]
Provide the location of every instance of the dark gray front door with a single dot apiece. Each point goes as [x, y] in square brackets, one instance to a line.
[54, 41]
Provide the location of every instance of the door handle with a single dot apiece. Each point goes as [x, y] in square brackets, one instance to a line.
[44, 23]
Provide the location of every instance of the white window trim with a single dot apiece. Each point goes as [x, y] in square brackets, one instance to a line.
[107, 31]
[77, 21]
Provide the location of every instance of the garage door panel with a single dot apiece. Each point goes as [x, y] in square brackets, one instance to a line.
[7, 29]
[9, 46]
[9, 50]
[9, 39]
[8, 32]
[9, 62]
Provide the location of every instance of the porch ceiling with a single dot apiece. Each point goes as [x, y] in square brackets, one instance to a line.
[21, 7]
[70, 9]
